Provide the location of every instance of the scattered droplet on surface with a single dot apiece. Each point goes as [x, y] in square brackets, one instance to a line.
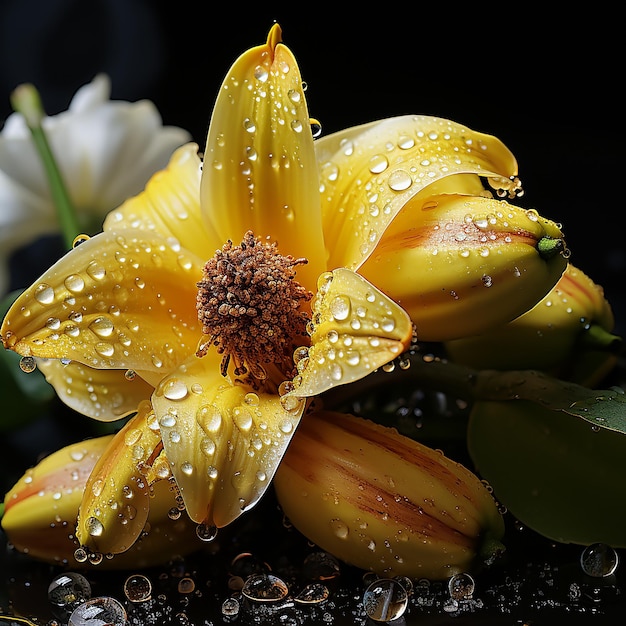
[230, 607]
[321, 566]
[68, 590]
[385, 600]
[599, 560]
[313, 593]
[265, 588]
[138, 588]
[99, 611]
[461, 586]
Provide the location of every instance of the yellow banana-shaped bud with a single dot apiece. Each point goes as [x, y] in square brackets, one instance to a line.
[383, 502]
[41, 512]
[567, 334]
[461, 264]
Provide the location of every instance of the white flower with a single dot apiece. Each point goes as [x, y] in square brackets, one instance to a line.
[106, 151]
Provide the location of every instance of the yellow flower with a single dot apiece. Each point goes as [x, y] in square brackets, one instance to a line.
[228, 349]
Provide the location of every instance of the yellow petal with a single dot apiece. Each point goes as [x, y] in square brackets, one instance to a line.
[105, 395]
[356, 329]
[170, 206]
[260, 171]
[120, 300]
[368, 173]
[115, 506]
[223, 441]
[41, 513]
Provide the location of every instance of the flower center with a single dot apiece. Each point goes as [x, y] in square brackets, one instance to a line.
[249, 306]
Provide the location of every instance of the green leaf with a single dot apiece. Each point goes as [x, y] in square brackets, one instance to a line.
[607, 409]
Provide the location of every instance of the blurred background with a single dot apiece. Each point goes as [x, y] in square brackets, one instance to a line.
[547, 85]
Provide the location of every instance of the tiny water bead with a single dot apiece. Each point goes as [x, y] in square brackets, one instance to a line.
[385, 600]
[101, 611]
[599, 560]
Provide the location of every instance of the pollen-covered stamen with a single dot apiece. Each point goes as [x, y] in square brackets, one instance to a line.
[249, 305]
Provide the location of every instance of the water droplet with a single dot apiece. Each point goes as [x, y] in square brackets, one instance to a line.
[260, 73]
[340, 307]
[230, 607]
[316, 127]
[599, 560]
[98, 612]
[378, 164]
[94, 527]
[206, 532]
[339, 528]
[138, 588]
[313, 593]
[385, 600]
[174, 389]
[68, 590]
[74, 283]
[186, 585]
[399, 180]
[44, 294]
[461, 586]
[96, 271]
[28, 364]
[80, 239]
[102, 326]
[104, 349]
[265, 588]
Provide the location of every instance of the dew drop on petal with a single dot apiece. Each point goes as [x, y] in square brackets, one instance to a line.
[340, 307]
[399, 180]
[44, 294]
[94, 527]
[80, 239]
[175, 389]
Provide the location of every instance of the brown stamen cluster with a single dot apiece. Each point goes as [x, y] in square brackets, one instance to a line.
[249, 306]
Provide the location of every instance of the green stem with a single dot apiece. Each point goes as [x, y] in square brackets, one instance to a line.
[25, 99]
[469, 384]
[597, 338]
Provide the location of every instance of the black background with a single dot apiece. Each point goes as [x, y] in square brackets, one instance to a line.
[547, 84]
